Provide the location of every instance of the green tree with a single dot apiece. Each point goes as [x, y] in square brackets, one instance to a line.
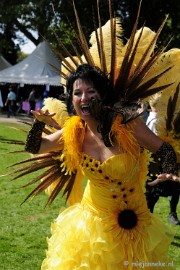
[23, 17]
[152, 15]
[45, 18]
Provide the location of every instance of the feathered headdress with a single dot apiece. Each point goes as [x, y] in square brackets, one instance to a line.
[135, 70]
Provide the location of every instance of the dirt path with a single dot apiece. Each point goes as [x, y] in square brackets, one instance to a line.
[12, 119]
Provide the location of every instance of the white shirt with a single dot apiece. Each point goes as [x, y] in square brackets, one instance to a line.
[151, 121]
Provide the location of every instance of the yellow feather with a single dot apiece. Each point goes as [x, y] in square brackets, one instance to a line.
[55, 105]
[124, 136]
[145, 40]
[65, 70]
[73, 129]
[106, 31]
[167, 59]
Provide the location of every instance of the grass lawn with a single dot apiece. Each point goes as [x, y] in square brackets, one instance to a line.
[24, 228]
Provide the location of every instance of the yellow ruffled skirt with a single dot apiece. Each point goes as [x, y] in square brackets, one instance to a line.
[80, 241]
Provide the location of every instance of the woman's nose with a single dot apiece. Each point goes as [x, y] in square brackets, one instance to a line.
[84, 97]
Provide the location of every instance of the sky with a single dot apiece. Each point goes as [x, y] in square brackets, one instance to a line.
[28, 48]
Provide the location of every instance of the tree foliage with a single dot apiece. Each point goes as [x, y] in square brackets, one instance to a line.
[152, 15]
[40, 19]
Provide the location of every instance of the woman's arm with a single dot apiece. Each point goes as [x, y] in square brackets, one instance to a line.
[51, 142]
[162, 151]
[37, 144]
[164, 177]
[145, 137]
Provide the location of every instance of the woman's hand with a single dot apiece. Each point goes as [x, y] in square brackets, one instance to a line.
[164, 177]
[46, 117]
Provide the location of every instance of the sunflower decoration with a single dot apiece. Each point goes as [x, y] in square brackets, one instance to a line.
[128, 221]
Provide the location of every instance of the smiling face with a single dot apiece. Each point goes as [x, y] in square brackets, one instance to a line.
[83, 93]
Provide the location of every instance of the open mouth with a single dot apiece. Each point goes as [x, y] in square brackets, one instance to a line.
[85, 109]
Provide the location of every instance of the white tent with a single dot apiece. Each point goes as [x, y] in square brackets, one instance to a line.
[35, 69]
[4, 63]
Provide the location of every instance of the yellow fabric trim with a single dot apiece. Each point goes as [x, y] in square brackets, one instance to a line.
[73, 135]
[124, 136]
[77, 190]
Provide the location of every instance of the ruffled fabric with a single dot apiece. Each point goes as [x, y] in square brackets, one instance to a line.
[90, 236]
[82, 242]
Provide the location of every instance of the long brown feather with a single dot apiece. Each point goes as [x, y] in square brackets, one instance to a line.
[143, 89]
[171, 109]
[151, 91]
[140, 74]
[124, 70]
[32, 168]
[146, 53]
[102, 53]
[84, 43]
[176, 124]
[37, 157]
[11, 142]
[46, 176]
[65, 179]
[42, 186]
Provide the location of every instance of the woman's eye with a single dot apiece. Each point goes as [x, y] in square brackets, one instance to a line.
[92, 91]
[76, 93]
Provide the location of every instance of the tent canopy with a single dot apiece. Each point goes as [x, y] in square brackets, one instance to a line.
[35, 69]
[4, 63]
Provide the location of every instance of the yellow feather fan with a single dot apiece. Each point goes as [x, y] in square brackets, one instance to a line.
[107, 44]
[169, 59]
[57, 106]
[147, 36]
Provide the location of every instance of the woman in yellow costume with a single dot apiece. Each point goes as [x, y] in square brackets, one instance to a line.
[111, 225]
[107, 226]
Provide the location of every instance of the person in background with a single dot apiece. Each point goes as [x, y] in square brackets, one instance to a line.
[1, 102]
[45, 95]
[11, 103]
[154, 192]
[32, 100]
[146, 109]
[19, 105]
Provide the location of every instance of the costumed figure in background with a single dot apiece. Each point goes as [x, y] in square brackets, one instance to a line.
[165, 122]
[32, 100]
[108, 225]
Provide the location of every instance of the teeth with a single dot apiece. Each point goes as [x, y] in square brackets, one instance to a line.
[85, 109]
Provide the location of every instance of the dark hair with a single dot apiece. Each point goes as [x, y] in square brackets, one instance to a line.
[93, 75]
[100, 109]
